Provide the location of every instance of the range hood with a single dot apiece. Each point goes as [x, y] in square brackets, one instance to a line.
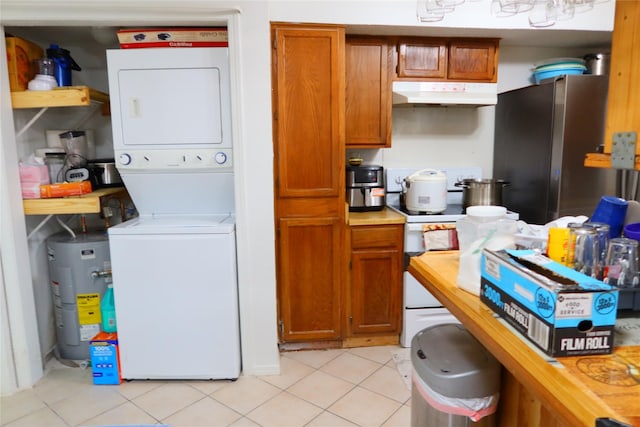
[445, 93]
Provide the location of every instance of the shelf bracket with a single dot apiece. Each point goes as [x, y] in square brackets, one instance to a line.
[623, 150]
[31, 122]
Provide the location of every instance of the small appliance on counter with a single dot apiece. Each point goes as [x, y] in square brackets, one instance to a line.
[426, 191]
[365, 188]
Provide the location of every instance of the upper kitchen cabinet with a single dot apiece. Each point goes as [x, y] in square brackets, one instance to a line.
[475, 60]
[308, 69]
[623, 102]
[369, 62]
[471, 59]
[420, 57]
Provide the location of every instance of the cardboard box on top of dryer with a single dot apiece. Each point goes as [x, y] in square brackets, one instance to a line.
[560, 310]
[173, 37]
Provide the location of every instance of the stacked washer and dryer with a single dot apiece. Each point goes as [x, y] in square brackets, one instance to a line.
[174, 266]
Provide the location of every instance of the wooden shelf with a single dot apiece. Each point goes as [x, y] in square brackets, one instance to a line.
[68, 96]
[601, 160]
[87, 203]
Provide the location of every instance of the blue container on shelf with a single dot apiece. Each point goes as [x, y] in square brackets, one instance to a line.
[558, 67]
[538, 76]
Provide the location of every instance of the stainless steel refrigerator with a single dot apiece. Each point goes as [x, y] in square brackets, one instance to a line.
[542, 133]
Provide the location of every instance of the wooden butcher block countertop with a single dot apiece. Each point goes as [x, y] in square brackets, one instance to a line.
[575, 396]
[384, 216]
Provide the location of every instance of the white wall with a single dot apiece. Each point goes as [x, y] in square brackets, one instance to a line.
[418, 134]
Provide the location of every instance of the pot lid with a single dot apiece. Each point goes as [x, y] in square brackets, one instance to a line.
[427, 175]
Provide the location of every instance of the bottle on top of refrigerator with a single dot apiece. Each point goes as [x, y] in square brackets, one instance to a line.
[108, 310]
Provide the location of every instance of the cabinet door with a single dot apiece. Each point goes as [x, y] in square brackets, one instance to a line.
[376, 280]
[310, 278]
[368, 92]
[473, 60]
[425, 58]
[623, 104]
[308, 108]
[309, 168]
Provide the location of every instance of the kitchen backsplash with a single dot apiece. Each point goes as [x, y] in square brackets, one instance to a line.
[434, 137]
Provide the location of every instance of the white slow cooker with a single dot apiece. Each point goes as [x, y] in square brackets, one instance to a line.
[426, 191]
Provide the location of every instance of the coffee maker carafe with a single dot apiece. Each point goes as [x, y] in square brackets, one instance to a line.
[365, 188]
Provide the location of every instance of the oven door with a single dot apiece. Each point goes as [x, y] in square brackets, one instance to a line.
[415, 295]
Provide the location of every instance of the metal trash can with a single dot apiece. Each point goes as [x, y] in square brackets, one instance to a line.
[455, 380]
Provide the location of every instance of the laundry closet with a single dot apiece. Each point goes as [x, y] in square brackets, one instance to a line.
[172, 230]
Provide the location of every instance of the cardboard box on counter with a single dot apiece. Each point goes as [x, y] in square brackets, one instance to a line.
[562, 311]
[20, 56]
[64, 189]
[173, 37]
[105, 358]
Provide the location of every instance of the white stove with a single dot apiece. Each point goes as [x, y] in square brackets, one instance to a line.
[420, 308]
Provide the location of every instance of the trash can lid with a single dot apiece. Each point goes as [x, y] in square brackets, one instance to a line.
[453, 363]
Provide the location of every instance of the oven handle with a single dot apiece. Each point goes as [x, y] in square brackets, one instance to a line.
[413, 226]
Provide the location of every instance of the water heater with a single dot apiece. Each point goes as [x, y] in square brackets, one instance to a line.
[79, 270]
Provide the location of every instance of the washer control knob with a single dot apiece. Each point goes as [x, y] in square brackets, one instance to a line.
[220, 157]
[125, 159]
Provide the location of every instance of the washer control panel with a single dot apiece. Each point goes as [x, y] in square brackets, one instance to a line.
[179, 159]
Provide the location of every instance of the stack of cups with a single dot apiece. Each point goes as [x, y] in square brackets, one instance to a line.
[584, 250]
[621, 264]
[611, 210]
[581, 246]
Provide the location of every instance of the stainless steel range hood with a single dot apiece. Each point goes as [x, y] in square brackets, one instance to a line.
[445, 93]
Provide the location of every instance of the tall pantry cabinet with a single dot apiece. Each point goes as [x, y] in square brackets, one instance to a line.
[309, 167]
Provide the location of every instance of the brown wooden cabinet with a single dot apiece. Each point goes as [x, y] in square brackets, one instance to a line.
[448, 59]
[422, 57]
[623, 102]
[375, 291]
[475, 60]
[308, 136]
[368, 92]
[623, 99]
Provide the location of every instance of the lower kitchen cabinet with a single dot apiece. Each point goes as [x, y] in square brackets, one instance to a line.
[310, 278]
[375, 289]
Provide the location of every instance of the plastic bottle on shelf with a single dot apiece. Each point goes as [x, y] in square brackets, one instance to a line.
[108, 311]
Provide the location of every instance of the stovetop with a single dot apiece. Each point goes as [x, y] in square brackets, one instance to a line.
[452, 213]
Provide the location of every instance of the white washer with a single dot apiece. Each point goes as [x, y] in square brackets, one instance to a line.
[176, 297]
[174, 267]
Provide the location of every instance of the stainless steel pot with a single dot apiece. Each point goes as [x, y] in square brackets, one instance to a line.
[104, 173]
[481, 192]
[597, 63]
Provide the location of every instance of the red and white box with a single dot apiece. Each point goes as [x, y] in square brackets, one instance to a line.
[173, 37]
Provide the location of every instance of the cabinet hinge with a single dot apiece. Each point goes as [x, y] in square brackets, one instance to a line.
[281, 327]
[351, 320]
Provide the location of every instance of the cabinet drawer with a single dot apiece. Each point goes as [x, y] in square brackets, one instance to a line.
[376, 236]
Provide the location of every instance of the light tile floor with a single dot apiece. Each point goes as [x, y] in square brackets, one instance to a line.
[330, 388]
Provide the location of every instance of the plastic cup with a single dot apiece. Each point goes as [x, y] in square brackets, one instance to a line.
[621, 267]
[611, 210]
[632, 231]
[584, 250]
[603, 242]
